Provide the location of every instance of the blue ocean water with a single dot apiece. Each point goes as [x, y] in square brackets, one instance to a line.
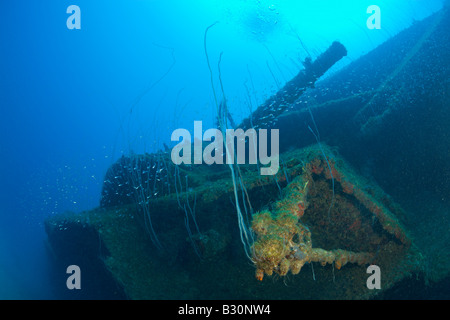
[73, 101]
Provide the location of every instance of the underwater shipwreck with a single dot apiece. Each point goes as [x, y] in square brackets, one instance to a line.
[166, 231]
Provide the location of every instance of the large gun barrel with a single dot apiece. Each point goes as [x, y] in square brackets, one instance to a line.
[292, 90]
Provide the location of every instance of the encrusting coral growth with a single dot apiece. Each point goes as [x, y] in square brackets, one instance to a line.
[283, 243]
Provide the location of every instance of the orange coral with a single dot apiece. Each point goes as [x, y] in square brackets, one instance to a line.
[284, 244]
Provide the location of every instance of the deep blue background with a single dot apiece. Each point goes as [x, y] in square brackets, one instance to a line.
[72, 101]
